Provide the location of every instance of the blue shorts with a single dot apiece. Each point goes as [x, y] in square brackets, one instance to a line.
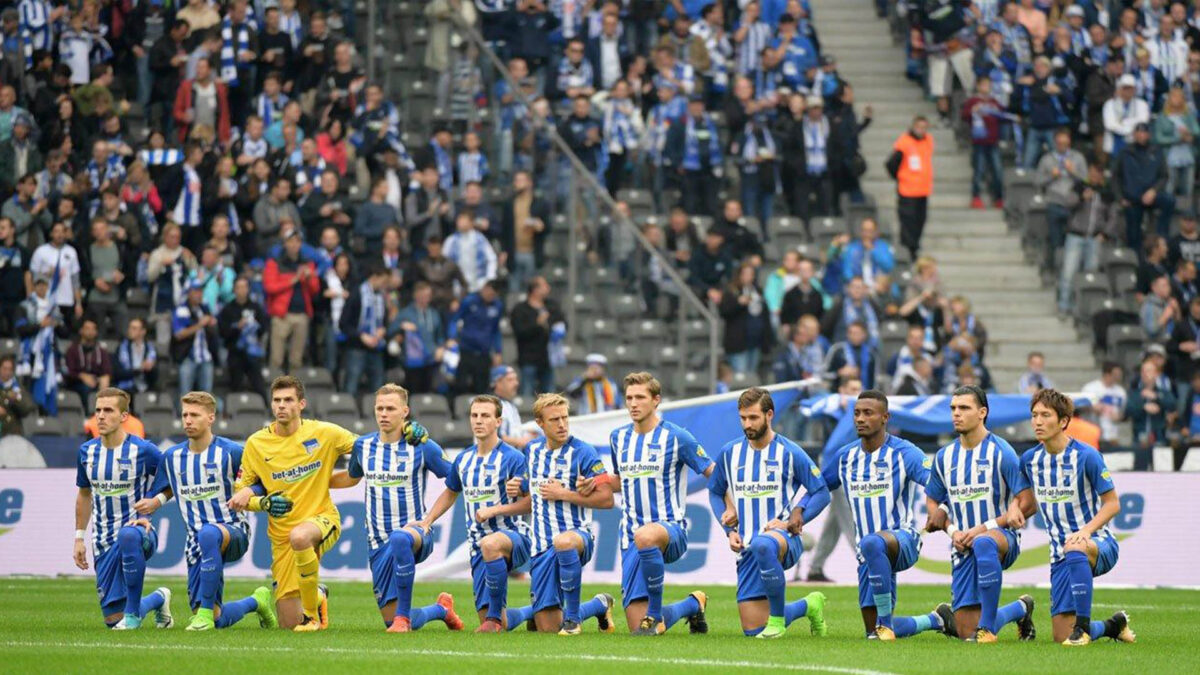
[238, 543]
[519, 559]
[110, 580]
[544, 591]
[383, 570]
[633, 586]
[964, 587]
[1061, 601]
[749, 580]
[910, 550]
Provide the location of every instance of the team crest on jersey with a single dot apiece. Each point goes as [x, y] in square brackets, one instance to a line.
[210, 472]
[982, 466]
[700, 452]
[124, 468]
[881, 470]
[310, 446]
[815, 471]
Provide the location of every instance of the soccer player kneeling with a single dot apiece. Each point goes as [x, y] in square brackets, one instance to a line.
[293, 460]
[974, 482]
[200, 473]
[649, 456]
[881, 474]
[498, 537]
[396, 461]
[561, 519]
[115, 471]
[1076, 496]
[762, 475]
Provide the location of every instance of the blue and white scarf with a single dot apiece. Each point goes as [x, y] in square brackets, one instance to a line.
[850, 314]
[129, 359]
[293, 26]
[230, 52]
[161, 157]
[370, 315]
[556, 348]
[249, 340]
[187, 208]
[270, 110]
[750, 50]
[691, 146]
[445, 166]
[816, 140]
[113, 170]
[619, 132]
[750, 147]
[39, 356]
[35, 22]
[472, 168]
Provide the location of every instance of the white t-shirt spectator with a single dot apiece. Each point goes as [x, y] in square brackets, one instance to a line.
[44, 263]
[1106, 398]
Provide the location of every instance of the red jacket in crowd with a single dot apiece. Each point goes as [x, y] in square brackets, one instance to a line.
[279, 287]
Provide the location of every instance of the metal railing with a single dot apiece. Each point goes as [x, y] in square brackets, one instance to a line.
[591, 215]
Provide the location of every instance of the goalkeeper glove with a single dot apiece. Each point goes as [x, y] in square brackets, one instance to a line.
[414, 433]
[275, 504]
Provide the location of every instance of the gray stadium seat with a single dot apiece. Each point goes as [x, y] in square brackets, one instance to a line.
[241, 402]
[824, 230]
[153, 401]
[327, 404]
[44, 426]
[1088, 289]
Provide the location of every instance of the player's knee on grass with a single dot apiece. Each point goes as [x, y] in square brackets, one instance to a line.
[648, 536]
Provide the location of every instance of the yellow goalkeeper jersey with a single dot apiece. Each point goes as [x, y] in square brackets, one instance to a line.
[299, 466]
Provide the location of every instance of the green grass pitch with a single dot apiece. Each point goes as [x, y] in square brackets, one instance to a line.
[53, 626]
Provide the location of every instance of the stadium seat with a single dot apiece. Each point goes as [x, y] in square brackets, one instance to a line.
[626, 308]
[159, 425]
[153, 401]
[1117, 261]
[316, 378]
[787, 231]
[326, 404]
[45, 426]
[1124, 283]
[1019, 189]
[1089, 289]
[1125, 343]
[825, 230]
[451, 434]
[424, 405]
[69, 401]
[249, 422]
[601, 331]
[240, 402]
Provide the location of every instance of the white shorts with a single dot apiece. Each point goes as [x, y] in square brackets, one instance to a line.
[940, 83]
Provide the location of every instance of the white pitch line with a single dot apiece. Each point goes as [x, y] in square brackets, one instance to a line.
[705, 663]
[1149, 608]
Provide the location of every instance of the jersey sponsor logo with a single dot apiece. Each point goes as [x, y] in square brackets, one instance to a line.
[969, 493]
[197, 493]
[648, 466]
[1054, 494]
[297, 473]
[481, 494]
[112, 488]
[387, 479]
[867, 489]
[756, 489]
[535, 484]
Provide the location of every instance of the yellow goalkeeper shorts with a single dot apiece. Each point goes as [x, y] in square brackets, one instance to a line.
[283, 557]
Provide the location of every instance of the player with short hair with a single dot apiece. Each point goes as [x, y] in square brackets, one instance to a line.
[396, 461]
[974, 482]
[293, 459]
[561, 520]
[754, 492]
[1077, 498]
[113, 472]
[648, 457]
[499, 539]
[881, 474]
[200, 473]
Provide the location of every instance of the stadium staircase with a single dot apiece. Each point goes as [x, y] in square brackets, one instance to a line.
[977, 256]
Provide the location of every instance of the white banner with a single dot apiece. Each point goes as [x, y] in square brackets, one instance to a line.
[37, 526]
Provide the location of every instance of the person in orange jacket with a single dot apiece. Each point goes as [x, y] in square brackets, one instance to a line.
[911, 164]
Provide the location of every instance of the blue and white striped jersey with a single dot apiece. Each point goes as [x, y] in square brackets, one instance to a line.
[202, 483]
[977, 484]
[1067, 486]
[480, 479]
[650, 466]
[565, 465]
[766, 484]
[881, 485]
[118, 478]
[396, 474]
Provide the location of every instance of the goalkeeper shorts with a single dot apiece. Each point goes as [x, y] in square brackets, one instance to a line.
[283, 558]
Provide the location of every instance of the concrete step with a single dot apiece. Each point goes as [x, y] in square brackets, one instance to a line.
[1062, 355]
[949, 196]
[1065, 379]
[1005, 331]
[968, 284]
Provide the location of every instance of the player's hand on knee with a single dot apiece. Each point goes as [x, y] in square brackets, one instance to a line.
[957, 538]
[146, 507]
[415, 433]
[483, 515]
[140, 522]
[275, 504]
[775, 524]
[1078, 539]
